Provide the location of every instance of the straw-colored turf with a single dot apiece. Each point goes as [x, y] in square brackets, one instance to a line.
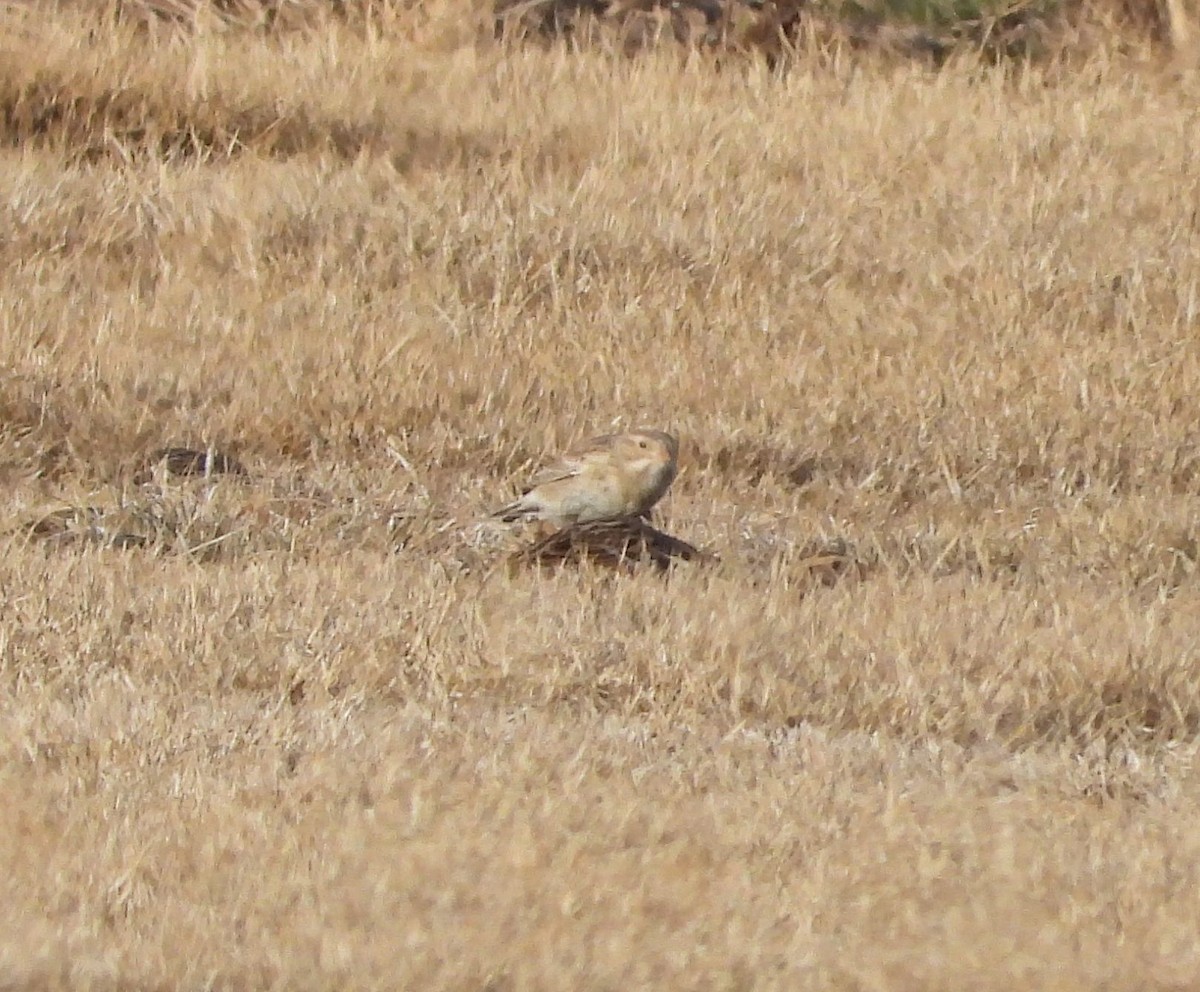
[310, 732]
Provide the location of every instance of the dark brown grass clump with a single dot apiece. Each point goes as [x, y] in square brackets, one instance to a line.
[192, 461]
[786, 30]
[617, 544]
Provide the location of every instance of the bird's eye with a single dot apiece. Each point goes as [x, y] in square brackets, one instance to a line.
[643, 444]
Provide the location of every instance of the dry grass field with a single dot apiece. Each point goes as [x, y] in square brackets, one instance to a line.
[930, 341]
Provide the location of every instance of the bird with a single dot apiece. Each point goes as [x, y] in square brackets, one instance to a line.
[604, 478]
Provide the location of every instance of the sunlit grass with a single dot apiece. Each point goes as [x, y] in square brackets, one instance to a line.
[929, 341]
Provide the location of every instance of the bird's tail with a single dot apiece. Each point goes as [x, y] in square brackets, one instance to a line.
[513, 512]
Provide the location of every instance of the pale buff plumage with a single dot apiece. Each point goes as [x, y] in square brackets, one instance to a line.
[607, 477]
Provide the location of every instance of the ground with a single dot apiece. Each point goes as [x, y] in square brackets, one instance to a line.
[309, 727]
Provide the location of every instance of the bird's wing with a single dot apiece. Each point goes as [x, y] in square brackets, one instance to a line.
[566, 467]
[571, 463]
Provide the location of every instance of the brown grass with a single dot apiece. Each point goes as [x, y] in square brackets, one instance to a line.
[301, 728]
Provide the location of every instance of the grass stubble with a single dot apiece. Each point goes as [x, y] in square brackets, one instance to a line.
[305, 734]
